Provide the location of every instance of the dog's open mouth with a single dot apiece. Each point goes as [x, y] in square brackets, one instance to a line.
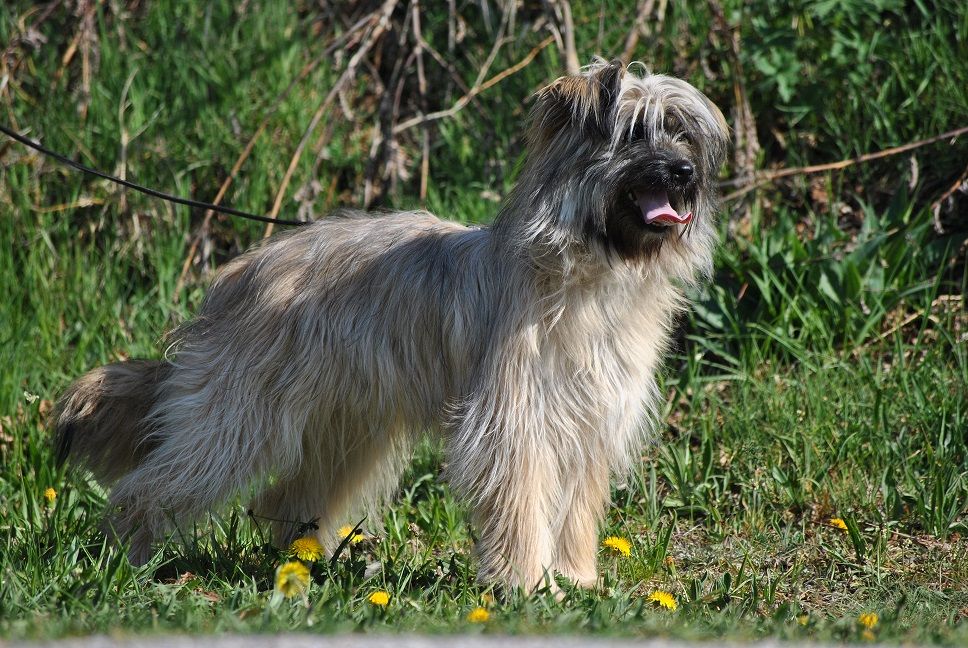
[657, 211]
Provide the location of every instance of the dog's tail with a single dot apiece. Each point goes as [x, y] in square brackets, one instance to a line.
[100, 419]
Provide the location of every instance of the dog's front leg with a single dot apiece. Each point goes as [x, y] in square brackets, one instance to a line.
[516, 546]
[582, 512]
[499, 463]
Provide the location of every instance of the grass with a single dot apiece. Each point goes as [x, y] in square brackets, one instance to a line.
[823, 375]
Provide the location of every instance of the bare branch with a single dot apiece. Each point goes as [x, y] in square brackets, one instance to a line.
[765, 177]
[476, 90]
[642, 12]
[571, 53]
[422, 89]
[961, 184]
[382, 21]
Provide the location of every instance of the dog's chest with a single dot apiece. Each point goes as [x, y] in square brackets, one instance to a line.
[611, 339]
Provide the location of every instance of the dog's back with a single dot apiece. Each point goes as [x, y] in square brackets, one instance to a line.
[341, 340]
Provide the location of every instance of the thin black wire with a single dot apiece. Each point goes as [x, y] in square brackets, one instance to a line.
[145, 190]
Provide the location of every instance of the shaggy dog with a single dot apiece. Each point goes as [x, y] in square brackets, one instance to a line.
[530, 346]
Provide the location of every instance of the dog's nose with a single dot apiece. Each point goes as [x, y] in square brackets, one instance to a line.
[681, 170]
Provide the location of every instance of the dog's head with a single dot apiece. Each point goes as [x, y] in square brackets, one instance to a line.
[625, 164]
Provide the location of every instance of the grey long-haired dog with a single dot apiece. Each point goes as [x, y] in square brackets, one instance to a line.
[531, 346]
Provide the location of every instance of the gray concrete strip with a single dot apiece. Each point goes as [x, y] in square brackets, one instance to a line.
[382, 640]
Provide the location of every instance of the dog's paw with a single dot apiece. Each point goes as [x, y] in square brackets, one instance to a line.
[139, 552]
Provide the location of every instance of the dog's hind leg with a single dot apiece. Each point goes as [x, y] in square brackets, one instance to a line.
[213, 440]
[347, 470]
[293, 506]
[186, 476]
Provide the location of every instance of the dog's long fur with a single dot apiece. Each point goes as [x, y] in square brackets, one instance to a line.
[319, 357]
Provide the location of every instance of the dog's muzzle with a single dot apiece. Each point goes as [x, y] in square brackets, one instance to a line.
[653, 201]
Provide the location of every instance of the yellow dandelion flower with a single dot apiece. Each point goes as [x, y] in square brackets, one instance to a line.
[867, 635]
[665, 599]
[379, 597]
[803, 619]
[838, 523]
[306, 549]
[618, 545]
[50, 494]
[868, 620]
[292, 578]
[346, 530]
[478, 615]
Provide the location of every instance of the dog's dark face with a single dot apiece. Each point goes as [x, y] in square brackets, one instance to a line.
[652, 196]
[631, 160]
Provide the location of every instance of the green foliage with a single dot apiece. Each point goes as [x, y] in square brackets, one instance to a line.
[790, 293]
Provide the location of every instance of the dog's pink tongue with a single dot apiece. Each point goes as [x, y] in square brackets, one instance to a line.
[656, 209]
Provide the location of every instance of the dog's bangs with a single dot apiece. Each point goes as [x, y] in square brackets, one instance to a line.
[652, 104]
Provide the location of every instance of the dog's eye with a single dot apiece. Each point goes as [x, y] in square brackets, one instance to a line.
[638, 133]
[687, 139]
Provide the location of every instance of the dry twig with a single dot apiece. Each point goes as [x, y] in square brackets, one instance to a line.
[377, 30]
[477, 89]
[422, 89]
[960, 184]
[747, 145]
[571, 52]
[642, 12]
[758, 179]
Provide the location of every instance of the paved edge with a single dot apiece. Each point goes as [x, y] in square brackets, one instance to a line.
[380, 640]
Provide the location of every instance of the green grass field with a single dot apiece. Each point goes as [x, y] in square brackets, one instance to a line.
[822, 376]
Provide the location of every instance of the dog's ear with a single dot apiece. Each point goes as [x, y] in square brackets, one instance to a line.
[585, 101]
